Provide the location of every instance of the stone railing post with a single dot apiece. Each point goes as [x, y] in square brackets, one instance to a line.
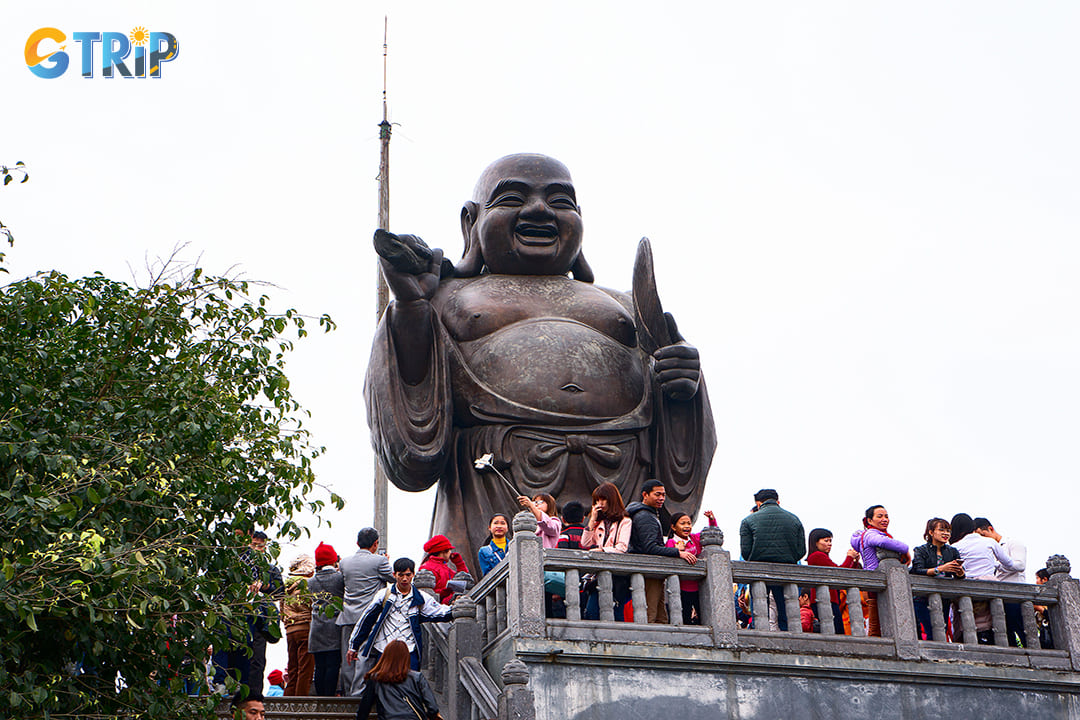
[717, 599]
[424, 581]
[516, 701]
[463, 576]
[464, 641]
[525, 582]
[1065, 618]
[895, 609]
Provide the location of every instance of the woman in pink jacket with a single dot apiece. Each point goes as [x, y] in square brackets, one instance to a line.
[607, 530]
[546, 512]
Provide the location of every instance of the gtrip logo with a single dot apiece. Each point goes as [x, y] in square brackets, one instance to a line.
[46, 56]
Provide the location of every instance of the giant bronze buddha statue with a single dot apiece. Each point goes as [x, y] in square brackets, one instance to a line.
[515, 352]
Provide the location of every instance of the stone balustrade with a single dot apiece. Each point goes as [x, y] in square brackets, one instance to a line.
[502, 620]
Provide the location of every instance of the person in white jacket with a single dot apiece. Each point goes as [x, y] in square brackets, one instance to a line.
[1017, 552]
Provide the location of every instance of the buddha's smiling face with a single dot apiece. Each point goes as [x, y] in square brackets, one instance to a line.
[527, 220]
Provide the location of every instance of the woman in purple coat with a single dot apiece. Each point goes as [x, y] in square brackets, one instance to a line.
[867, 541]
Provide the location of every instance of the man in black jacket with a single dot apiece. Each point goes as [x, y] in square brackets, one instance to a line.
[647, 538]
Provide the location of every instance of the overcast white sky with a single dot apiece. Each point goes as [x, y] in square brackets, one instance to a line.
[864, 214]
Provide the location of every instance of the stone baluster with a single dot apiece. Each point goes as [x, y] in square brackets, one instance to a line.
[1031, 626]
[673, 596]
[759, 605]
[855, 616]
[824, 608]
[491, 619]
[604, 596]
[937, 617]
[997, 620]
[967, 620]
[637, 596]
[791, 608]
[573, 596]
[717, 598]
[465, 641]
[1065, 616]
[500, 608]
[895, 609]
[524, 590]
[424, 581]
[516, 701]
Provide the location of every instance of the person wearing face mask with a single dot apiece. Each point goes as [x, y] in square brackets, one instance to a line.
[873, 537]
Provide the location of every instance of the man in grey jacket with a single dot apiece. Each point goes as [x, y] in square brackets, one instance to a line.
[772, 534]
[365, 574]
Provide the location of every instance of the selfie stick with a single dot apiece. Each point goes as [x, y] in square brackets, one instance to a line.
[484, 463]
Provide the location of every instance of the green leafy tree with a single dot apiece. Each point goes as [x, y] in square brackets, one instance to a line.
[9, 174]
[143, 432]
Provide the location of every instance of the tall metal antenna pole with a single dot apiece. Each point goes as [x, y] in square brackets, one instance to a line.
[382, 293]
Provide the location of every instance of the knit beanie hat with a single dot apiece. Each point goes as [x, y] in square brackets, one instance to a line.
[438, 544]
[325, 555]
[276, 678]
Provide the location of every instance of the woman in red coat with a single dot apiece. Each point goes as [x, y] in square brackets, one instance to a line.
[820, 546]
[440, 553]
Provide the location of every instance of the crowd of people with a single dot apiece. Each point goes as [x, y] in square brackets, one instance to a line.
[369, 643]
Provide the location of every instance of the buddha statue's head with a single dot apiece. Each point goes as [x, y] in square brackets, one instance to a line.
[523, 220]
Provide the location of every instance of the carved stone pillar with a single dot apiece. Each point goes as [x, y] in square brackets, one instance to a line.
[516, 701]
[424, 581]
[1065, 618]
[464, 641]
[525, 584]
[716, 593]
[895, 609]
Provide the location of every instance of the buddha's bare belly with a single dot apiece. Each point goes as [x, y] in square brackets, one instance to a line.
[559, 366]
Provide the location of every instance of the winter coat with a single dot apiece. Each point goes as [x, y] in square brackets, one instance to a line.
[820, 559]
[609, 537]
[421, 609]
[296, 605]
[924, 558]
[647, 532]
[489, 556]
[548, 528]
[392, 705]
[443, 574]
[366, 575]
[693, 546]
[772, 534]
[868, 541]
[324, 634]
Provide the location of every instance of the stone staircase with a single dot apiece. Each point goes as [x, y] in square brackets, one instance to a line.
[306, 708]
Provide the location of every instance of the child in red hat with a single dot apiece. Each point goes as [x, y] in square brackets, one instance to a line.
[276, 678]
[439, 554]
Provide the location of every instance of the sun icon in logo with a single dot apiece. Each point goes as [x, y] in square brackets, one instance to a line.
[139, 36]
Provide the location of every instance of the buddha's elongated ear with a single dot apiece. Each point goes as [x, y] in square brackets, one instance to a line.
[472, 260]
[581, 269]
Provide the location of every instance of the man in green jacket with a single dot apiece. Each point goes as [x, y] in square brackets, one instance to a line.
[772, 534]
